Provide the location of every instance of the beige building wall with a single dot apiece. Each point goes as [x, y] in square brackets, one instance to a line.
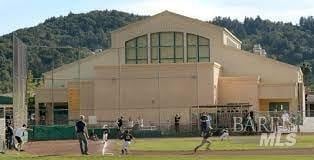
[239, 90]
[277, 80]
[168, 88]
[81, 102]
[44, 95]
[83, 69]
[216, 74]
[241, 63]
[142, 90]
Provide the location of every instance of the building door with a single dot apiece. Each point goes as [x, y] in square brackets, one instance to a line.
[278, 106]
[61, 113]
[309, 110]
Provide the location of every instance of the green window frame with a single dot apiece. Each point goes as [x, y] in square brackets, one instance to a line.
[198, 48]
[136, 50]
[167, 47]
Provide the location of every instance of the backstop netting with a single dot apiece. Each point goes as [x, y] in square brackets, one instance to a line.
[19, 82]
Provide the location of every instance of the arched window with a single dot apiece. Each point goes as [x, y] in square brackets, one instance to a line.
[167, 47]
[136, 50]
[197, 48]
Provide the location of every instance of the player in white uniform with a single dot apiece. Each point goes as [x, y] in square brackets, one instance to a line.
[127, 138]
[225, 134]
[19, 133]
[105, 138]
[286, 121]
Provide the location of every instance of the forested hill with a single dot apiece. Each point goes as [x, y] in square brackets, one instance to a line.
[90, 30]
[283, 41]
[286, 42]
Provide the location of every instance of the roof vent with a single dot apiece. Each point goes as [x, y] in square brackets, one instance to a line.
[257, 49]
[98, 50]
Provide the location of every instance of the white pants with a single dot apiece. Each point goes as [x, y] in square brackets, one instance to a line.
[104, 148]
[105, 137]
[224, 135]
[125, 144]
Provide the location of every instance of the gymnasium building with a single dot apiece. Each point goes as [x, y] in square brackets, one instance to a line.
[164, 65]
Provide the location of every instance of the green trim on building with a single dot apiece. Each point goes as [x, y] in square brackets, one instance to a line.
[6, 100]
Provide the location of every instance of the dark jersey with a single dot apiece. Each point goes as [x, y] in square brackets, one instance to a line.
[120, 122]
[127, 137]
[177, 120]
[80, 126]
[203, 120]
[105, 131]
[9, 131]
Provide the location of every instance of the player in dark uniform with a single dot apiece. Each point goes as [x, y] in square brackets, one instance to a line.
[203, 121]
[127, 138]
[82, 135]
[177, 123]
[120, 123]
[206, 135]
[9, 136]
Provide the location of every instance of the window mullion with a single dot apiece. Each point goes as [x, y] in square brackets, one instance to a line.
[159, 57]
[126, 54]
[197, 49]
[174, 47]
[136, 56]
[209, 50]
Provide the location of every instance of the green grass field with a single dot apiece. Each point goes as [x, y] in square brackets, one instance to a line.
[235, 143]
[161, 157]
[180, 144]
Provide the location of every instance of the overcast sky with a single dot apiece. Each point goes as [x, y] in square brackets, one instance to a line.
[15, 14]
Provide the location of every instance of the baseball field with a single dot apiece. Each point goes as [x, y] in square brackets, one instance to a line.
[237, 148]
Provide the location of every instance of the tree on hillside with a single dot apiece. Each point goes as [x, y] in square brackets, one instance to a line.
[306, 70]
[31, 85]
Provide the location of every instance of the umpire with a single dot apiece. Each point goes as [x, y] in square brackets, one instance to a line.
[82, 135]
[9, 136]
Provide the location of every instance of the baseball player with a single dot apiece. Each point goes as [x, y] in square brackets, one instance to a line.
[82, 135]
[203, 120]
[206, 135]
[120, 123]
[127, 138]
[19, 133]
[105, 131]
[225, 134]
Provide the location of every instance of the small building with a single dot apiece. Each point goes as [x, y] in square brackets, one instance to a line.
[6, 104]
[166, 65]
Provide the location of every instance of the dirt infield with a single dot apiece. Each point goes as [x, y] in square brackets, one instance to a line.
[71, 147]
[68, 147]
